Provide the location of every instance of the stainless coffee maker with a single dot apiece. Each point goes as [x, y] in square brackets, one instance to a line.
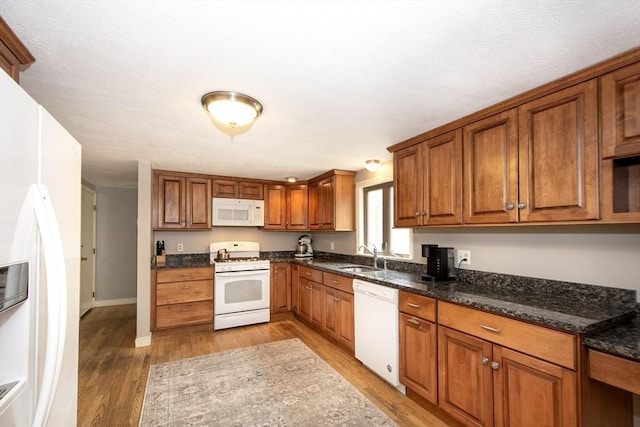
[440, 263]
[303, 248]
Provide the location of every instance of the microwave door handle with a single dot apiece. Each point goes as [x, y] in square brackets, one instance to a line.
[240, 273]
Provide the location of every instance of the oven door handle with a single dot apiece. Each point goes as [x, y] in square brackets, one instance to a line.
[242, 273]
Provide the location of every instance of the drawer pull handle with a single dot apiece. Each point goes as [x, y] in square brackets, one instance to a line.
[307, 273]
[308, 288]
[186, 274]
[336, 282]
[485, 360]
[414, 321]
[410, 304]
[184, 288]
[185, 310]
[489, 328]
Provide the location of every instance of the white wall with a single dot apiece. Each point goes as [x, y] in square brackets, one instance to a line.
[116, 244]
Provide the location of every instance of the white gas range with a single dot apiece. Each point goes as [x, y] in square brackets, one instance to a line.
[241, 284]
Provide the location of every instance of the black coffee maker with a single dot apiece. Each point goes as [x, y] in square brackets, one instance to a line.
[440, 263]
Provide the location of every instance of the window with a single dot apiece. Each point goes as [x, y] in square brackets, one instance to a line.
[378, 222]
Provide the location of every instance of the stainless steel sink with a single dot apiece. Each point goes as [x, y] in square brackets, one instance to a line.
[358, 268]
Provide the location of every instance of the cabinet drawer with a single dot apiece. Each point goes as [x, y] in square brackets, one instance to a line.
[336, 281]
[548, 344]
[190, 313]
[184, 274]
[613, 370]
[178, 292]
[311, 274]
[417, 305]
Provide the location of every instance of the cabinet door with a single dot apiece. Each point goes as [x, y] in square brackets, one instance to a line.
[314, 205]
[532, 393]
[295, 289]
[330, 325]
[558, 154]
[198, 203]
[317, 304]
[327, 205]
[407, 187]
[275, 206]
[250, 190]
[620, 112]
[305, 299]
[171, 198]
[491, 169]
[224, 188]
[442, 174]
[280, 287]
[465, 387]
[345, 332]
[418, 356]
[297, 213]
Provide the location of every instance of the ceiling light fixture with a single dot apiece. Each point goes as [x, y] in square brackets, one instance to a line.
[372, 165]
[231, 109]
[291, 179]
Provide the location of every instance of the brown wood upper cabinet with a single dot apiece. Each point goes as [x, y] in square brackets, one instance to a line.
[332, 201]
[181, 202]
[237, 189]
[428, 182]
[537, 162]
[286, 207]
[558, 156]
[14, 56]
[620, 110]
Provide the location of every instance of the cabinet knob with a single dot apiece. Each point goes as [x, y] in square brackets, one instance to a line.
[485, 360]
[495, 365]
[418, 214]
[424, 213]
[510, 206]
[521, 205]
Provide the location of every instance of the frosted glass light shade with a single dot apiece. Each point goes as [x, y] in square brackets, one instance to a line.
[372, 165]
[231, 108]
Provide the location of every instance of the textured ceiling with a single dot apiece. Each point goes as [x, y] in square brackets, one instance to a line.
[339, 81]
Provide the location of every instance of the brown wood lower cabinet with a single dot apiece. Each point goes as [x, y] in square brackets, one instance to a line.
[182, 296]
[484, 384]
[280, 287]
[327, 306]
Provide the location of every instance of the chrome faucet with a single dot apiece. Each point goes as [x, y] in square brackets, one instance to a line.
[373, 252]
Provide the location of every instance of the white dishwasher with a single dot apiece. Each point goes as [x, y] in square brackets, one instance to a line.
[376, 330]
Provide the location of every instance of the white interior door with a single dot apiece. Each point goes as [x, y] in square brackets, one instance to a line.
[87, 246]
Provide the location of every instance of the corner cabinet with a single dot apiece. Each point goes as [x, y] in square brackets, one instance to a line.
[181, 202]
[286, 207]
[332, 201]
[427, 180]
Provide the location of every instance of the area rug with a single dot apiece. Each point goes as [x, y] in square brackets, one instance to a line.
[283, 383]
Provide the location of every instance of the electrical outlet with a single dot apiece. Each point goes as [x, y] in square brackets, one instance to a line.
[463, 255]
[180, 247]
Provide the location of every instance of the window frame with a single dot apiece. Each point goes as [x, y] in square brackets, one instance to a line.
[384, 175]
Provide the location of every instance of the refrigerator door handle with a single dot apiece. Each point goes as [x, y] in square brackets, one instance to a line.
[56, 300]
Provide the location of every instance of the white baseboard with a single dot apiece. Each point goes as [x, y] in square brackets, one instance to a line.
[116, 301]
[143, 341]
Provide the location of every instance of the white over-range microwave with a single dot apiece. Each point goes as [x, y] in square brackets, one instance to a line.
[237, 212]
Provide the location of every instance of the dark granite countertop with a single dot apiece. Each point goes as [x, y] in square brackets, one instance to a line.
[620, 340]
[604, 315]
[536, 302]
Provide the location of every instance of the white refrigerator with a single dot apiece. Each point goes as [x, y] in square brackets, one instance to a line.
[40, 188]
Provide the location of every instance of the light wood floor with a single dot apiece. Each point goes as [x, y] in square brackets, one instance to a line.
[113, 373]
